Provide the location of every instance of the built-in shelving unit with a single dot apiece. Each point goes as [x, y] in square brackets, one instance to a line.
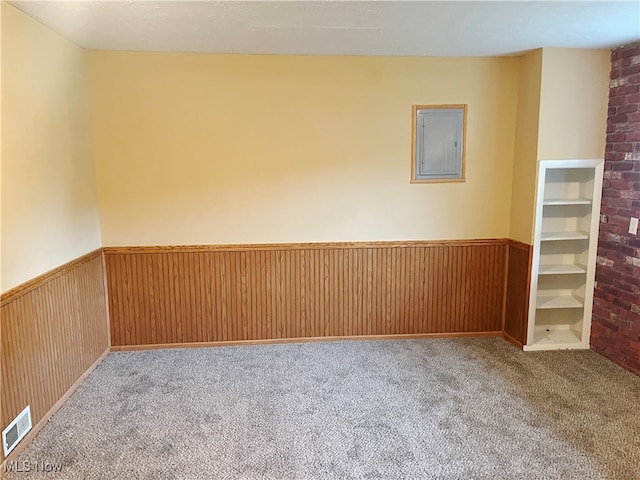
[564, 254]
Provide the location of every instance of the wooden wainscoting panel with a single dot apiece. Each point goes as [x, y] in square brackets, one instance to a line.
[54, 328]
[167, 295]
[518, 282]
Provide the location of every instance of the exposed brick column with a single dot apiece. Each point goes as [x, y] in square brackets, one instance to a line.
[615, 331]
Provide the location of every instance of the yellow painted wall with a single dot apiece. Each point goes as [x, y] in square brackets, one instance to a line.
[573, 103]
[49, 204]
[562, 112]
[525, 162]
[1, 135]
[255, 149]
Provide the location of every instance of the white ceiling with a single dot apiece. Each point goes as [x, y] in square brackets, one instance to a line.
[429, 28]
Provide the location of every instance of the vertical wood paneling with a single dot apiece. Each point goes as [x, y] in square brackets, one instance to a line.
[518, 282]
[164, 295]
[53, 329]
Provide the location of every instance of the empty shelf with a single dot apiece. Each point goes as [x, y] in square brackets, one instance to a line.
[558, 301]
[566, 201]
[559, 269]
[555, 338]
[552, 236]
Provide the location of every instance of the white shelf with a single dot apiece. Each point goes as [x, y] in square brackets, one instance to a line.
[558, 301]
[553, 236]
[555, 338]
[559, 269]
[566, 201]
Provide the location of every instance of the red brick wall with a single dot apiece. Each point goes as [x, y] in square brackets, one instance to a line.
[615, 331]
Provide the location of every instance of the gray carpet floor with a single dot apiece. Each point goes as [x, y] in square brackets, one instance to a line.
[405, 409]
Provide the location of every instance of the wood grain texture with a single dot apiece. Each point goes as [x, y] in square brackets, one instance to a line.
[33, 433]
[52, 332]
[517, 292]
[129, 348]
[36, 282]
[301, 246]
[179, 295]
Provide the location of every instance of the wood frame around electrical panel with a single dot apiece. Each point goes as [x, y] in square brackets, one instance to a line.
[414, 112]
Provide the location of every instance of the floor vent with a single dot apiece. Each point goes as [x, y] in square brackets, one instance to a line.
[16, 430]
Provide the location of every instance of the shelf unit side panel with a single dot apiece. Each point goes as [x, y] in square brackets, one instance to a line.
[535, 259]
[593, 251]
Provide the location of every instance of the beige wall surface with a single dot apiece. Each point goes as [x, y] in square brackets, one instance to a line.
[1, 135]
[573, 103]
[219, 149]
[49, 204]
[525, 164]
[562, 112]
[256, 149]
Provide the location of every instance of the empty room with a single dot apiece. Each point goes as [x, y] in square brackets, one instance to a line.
[320, 240]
